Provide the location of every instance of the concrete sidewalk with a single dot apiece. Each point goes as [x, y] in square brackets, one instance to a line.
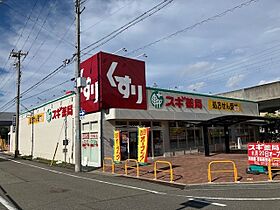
[192, 169]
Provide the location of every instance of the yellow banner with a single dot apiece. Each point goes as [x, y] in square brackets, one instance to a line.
[224, 105]
[143, 145]
[37, 118]
[117, 146]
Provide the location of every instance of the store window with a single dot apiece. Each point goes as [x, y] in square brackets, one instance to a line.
[146, 124]
[156, 124]
[85, 126]
[134, 123]
[121, 123]
[184, 136]
[93, 125]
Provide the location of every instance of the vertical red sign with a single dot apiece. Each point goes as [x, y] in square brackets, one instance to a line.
[113, 82]
[90, 93]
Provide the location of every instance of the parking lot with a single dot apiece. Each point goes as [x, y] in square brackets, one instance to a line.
[193, 169]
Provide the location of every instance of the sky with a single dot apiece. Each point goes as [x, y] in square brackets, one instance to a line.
[190, 45]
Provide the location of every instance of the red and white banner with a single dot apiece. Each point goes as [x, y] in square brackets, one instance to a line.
[261, 153]
[113, 82]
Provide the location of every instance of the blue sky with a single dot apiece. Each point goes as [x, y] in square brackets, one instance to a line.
[237, 50]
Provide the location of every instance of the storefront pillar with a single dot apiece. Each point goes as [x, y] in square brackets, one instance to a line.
[206, 141]
[226, 134]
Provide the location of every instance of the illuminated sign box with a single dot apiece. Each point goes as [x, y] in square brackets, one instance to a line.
[113, 82]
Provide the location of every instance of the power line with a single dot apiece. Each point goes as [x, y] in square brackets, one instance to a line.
[51, 74]
[34, 24]
[45, 20]
[51, 33]
[106, 17]
[44, 91]
[212, 18]
[22, 30]
[51, 53]
[25, 24]
[131, 23]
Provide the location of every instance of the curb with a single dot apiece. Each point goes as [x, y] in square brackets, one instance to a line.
[189, 186]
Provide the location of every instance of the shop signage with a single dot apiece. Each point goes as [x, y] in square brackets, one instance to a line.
[261, 153]
[37, 118]
[117, 146]
[59, 113]
[158, 101]
[113, 82]
[143, 144]
[182, 101]
[89, 140]
[224, 105]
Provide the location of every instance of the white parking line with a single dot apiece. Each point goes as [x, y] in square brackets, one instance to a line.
[229, 199]
[7, 204]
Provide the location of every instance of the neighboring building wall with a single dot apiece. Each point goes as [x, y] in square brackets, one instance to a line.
[257, 93]
[267, 96]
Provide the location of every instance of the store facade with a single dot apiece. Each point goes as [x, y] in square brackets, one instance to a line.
[174, 120]
[115, 98]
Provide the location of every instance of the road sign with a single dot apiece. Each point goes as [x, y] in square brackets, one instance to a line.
[82, 113]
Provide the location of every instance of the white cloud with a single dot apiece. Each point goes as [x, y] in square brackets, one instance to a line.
[197, 67]
[262, 82]
[272, 30]
[234, 80]
[197, 86]
[221, 58]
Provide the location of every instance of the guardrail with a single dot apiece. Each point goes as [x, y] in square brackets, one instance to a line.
[222, 171]
[270, 169]
[163, 162]
[112, 164]
[126, 166]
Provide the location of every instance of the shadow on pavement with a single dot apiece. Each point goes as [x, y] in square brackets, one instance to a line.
[194, 204]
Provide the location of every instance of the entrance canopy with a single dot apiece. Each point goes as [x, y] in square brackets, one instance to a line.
[229, 120]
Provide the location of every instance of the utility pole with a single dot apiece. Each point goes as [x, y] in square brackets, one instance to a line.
[66, 139]
[32, 134]
[77, 90]
[17, 55]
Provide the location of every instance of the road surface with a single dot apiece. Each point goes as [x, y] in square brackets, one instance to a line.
[31, 185]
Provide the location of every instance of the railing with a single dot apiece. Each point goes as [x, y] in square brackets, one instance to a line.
[170, 170]
[111, 164]
[222, 171]
[270, 169]
[126, 166]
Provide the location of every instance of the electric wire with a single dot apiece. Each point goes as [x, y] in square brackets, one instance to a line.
[34, 24]
[212, 18]
[25, 24]
[51, 53]
[51, 33]
[131, 23]
[106, 17]
[44, 91]
[41, 27]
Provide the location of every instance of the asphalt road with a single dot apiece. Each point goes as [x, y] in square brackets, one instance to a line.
[31, 185]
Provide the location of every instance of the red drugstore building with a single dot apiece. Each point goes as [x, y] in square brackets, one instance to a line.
[116, 98]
